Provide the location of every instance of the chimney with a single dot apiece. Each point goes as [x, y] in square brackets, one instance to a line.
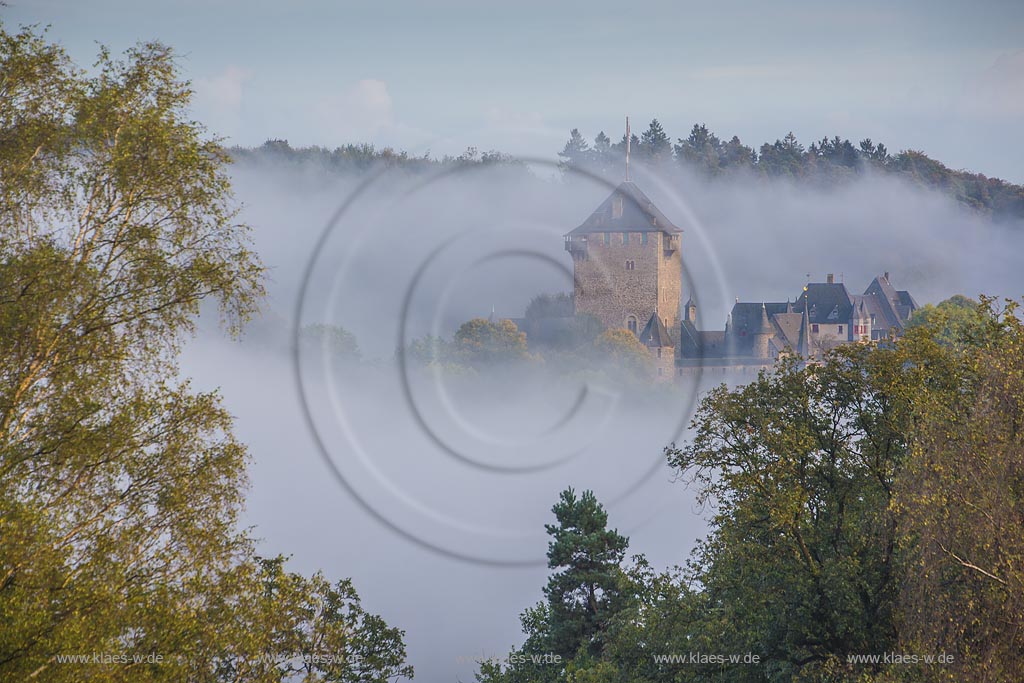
[886, 276]
[830, 278]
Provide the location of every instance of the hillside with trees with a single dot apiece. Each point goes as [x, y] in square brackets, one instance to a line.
[823, 163]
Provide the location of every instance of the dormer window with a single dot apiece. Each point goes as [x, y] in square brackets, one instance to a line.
[834, 314]
[617, 207]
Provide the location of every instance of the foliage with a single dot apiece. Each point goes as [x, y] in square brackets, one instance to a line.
[481, 341]
[871, 503]
[961, 505]
[955, 320]
[619, 350]
[587, 589]
[828, 161]
[121, 487]
[550, 306]
[335, 341]
[799, 465]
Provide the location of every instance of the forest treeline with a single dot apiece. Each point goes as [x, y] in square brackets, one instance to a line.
[824, 162]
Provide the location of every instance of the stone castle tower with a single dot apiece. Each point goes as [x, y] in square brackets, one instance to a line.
[627, 265]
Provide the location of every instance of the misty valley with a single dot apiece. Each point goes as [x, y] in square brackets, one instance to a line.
[672, 407]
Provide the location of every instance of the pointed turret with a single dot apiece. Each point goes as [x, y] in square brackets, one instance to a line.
[763, 332]
[764, 325]
[805, 334]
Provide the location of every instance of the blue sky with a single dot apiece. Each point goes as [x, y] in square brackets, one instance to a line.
[944, 77]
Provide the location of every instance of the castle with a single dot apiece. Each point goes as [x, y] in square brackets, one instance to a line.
[627, 272]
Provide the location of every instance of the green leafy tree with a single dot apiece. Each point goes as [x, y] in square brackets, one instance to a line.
[957, 320]
[619, 351]
[961, 505]
[335, 341]
[800, 465]
[120, 486]
[480, 341]
[550, 306]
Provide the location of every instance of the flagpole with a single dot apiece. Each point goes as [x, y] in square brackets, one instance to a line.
[627, 148]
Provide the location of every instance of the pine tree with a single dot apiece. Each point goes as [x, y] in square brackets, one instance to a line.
[585, 590]
[655, 145]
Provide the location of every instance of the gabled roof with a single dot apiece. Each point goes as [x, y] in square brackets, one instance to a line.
[638, 214]
[655, 333]
[896, 306]
[827, 302]
[695, 343]
[788, 326]
[746, 317]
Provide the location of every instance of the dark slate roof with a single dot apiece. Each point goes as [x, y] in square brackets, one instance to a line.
[639, 214]
[788, 329]
[896, 306]
[746, 317]
[827, 303]
[876, 306]
[655, 333]
[695, 343]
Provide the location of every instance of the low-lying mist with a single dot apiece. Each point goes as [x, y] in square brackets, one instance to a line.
[430, 490]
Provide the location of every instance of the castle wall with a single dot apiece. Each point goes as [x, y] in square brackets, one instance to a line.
[664, 363]
[605, 287]
[670, 282]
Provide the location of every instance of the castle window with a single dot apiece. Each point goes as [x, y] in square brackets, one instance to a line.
[607, 238]
[625, 238]
[840, 329]
[659, 369]
[659, 356]
[630, 265]
[643, 238]
[814, 328]
[617, 207]
[631, 324]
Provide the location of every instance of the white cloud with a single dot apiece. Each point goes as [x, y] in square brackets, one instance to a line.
[999, 89]
[218, 99]
[360, 112]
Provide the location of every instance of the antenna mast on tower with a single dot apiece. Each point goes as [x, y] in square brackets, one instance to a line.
[627, 148]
